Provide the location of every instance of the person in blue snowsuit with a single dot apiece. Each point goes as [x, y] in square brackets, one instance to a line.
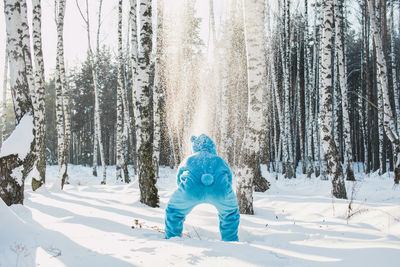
[203, 177]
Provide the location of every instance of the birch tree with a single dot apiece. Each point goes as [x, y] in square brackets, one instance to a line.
[256, 71]
[158, 86]
[226, 53]
[134, 62]
[4, 99]
[381, 164]
[120, 115]
[38, 177]
[16, 162]
[396, 87]
[62, 98]
[342, 70]
[307, 93]
[315, 83]
[145, 167]
[93, 62]
[334, 168]
[388, 121]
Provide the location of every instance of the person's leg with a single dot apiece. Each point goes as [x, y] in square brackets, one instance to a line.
[228, 212]
[180, 204]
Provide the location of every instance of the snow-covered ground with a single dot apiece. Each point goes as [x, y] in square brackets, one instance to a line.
[296, 223]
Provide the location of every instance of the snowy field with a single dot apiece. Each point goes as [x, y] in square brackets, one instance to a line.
[297, 223]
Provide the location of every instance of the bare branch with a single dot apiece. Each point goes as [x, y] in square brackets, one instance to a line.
[80, 11]
[376, 107]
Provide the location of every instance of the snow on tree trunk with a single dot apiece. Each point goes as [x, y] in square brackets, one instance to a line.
[334, 168]
[388, 121]
[146, 172]
[120, 116]
[38, 177]
[342, 69]
[17, 156]
[4, 100]
[256, 71]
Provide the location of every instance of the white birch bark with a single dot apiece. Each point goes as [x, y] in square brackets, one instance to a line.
[224, 94]
[134, 62]
[365, 66]
[93, 61]
[396, 86]
[120, 116]
[382, 165]
[38, 177]
[331, 154]
[146, 177]
[298, 119]
[342, 70]
[127, 130]
[278, 110]
[158, 87]
[256, 71]
[388, 121]
[62, 98]
[320, 169]
[4, 99]
[16, 164]
[307, 95]
[288, 159]
[97, 140]
[336, 94]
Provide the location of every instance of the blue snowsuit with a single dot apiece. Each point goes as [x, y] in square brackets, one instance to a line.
[203, 177]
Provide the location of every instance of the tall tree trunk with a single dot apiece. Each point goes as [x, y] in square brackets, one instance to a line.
[307, 95]
[363, 78]
[16, 163]
[134, 63]
[331, 154]
[38, 177]
[120, 116]
[382, 165]
[93, 62]
[389, 123]
[342, 69]
[316, 84]
[396, 86]
[4, 100]
[158, 87]
[368, 109]
[256, 71]
[97, 140]
[62, 99]
[286, 61]
[126, 131]
[146, 172]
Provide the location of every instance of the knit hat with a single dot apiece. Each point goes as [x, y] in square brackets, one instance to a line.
[203, 143]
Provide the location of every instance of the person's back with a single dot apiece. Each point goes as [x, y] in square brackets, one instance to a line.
[203, 177]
